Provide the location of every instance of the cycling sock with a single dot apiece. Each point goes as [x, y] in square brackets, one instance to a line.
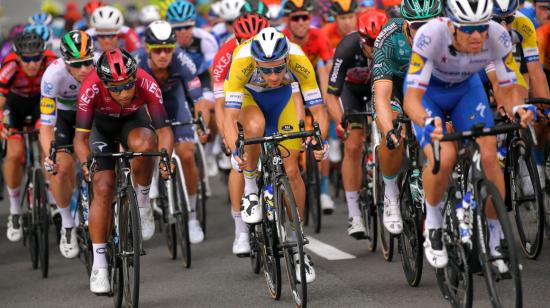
[15, 200]
[434, 217]
[495, 233]
[51, 198]
[352, 199]
[66, 217]
[324, 184]
[142, 194]
[250, 185]
[192, 206]
[240, 225]
[100, 259]
[391, 191]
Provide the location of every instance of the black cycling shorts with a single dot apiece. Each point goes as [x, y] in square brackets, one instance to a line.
[20, 108]
[64, 128]
[108, 132]
[355, 98]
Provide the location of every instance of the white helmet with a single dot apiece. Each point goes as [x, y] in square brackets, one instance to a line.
[230, 9]
[148, 14]
[107, 19]
[469, 11]
[269, 45]
[274, 11]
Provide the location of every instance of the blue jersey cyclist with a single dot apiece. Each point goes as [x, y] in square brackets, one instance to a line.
[442, 80]
[176, 75]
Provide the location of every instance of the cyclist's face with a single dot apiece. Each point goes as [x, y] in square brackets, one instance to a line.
[31, 68]
[541, 13]
[123, 97]
[184, 36]
[161, 57]
[272, 79]
[471, 43]
[346, 23]
[107, 42]
[79, 73]
[298, 23]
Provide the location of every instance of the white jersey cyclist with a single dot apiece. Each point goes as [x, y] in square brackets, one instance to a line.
[59, 92]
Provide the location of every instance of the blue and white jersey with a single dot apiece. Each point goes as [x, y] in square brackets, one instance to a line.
[220, 32]
[202, 50]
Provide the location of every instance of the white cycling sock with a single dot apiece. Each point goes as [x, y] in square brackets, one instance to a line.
[250, 185]
[15, 200]
[193, 206]
[240, 225]
[66, 217]
[391, 191]
[352, 199]
[142, 195]
[434, 216]
[100, 258]
[495, 233]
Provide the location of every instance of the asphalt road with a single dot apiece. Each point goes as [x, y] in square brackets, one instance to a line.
[219, 279]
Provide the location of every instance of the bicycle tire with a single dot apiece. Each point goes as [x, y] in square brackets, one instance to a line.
[411, 239]
[529, 215]
[313, 193]
[486, 190]
[368, 209]
[271, 262]
[42, 225]
[181, 217]
[168, 227]
[116, 272]
[298, 290]
[29, 228]
[386, 239]
[201, 191]
[130, 242]
[254, 250]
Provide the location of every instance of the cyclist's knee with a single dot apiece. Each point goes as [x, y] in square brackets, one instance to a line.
[353, 148]
[104, 186]
[142, 143]
[14, 152]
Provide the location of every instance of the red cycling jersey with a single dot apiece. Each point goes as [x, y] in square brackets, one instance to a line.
[220, 66]
[317, 45]
[331, 32]
[13, 79]
[94, 96]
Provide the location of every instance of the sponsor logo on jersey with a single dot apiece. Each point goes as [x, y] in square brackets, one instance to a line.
[47, 88]
[302, 69]
[87, 96]
[248, 69]
[47, 106]
[422, 41]
[194, 84]
[385, 33]
[151, 86]
[311, 95]
[509, 63]
[287, 128]
[234, 97]
[73, 87]
[188, 62]
[505, 39]
[335, 69]
[417, 63]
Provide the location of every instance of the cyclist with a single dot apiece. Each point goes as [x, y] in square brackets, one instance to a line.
[20, 77]
[245, 27]
[345, 21]
[110, 32]
[60, 85]
[350, 87]
[111, 106]
[147, 15]
[176, 75]
[87, 12]
[229, 11]
[442, 79]
[316, 46]
[261, 92]
[391, 58]
[542, 14]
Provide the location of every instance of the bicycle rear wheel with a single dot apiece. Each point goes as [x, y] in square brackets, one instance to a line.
[313, 187]
[169, 227]
[130, 243]
[201, 191]
[386, 238]
[504, 288]
[368, 208]
[181, 217]
[30, 235]
[269, 251]
[254, 248]
[42, 225]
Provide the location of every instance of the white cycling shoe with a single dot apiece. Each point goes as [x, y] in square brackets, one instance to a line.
[147, 223]
[196, 235]
[14, 232]
[251, 212]
[211, 166]
[68, 244]
[327, 204]
[308, 266]
[241, 245]
[356, 228]
[435, 250]
[392, 216]
[99, 281]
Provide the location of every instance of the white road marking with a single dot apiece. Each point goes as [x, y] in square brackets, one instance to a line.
[327, 251]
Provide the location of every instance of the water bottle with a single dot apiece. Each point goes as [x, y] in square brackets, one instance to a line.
[268, 202]
[85, 202]
[74, 202]
[463, 216]
[416, 186]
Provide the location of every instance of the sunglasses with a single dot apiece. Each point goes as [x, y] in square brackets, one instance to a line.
[367, 40]
[297, 18]
[507, 19]
[122, 87]
[415, 25]
[472, 29]
[79, 64]
[183, 27]
[229, 22]
[272, 70]
[160, 50]
[105, 36]
[35, 58]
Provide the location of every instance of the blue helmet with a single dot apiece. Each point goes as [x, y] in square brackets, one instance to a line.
[40, 19]
[43, 31]
[269, 45]
[505, 7]
[181, 11]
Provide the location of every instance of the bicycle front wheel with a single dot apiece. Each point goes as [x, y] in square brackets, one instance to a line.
[386, 238]
[42, 225]
[313, 190]
[130, 244]
[269, 251]
[181, 217]
[201, 191]
[368, 208]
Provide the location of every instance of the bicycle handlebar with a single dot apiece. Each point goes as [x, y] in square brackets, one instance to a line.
[198, 121]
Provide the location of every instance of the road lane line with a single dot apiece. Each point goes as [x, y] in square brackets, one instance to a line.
[327, 251]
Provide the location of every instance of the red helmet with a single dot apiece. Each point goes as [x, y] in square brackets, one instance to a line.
[116, 65]
[90, 7]
[246, 26]
[370, 22]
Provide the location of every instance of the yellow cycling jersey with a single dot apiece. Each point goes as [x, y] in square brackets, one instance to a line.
[524, 33]
[243, 74]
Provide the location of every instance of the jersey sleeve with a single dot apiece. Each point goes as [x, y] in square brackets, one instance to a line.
[88, 95]
[529, 42]
[383, 55]
[542, 42]
[209, 47]
[301, 68]
[221, 64]
[425, 46]
[507, 70]
[188, 75]
[242, 67]
[325, 51]
[150, 89]
[132, 40]
[7, 74]
[49, 92]
[343, 57]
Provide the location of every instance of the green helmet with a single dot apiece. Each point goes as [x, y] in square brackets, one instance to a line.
[421, 9]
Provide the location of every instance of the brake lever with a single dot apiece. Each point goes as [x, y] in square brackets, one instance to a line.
[319, 145]
[437, 156]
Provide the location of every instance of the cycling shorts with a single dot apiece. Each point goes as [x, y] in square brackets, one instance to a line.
[107, 132]
[353, 99]
[466, 103]
[279, 111]
[178, 110]
[20, 108]
[65, 127]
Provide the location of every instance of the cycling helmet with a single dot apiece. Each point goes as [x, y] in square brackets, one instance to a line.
[116, 65]
[14, 31]
[91, 6]
[274, 9]
[107, 18]
[469, 11]
[43, 31]
[420, 9]
[269, 45]
[292, 6]
[505, 7]
[367, 3]
[230, 9]
[160, 33]
[246, 26]
[340, 7]
[181, 11]
[76, 45]
[28, 42]
[52, 7]
[370, 23]
[148, 14]
[253, 7]
[40, 19]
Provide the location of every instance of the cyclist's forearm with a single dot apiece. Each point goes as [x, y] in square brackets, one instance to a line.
[81, 146]
[231, 116]
[219, 113]
[512, 95]
[320, 116]
[322, 73]
[413, 106]
[46, 137]
[382, 104]
[334, 109]
[202, 106]
[166, 139]
[2, 102]
[299, 105]
[538, 82]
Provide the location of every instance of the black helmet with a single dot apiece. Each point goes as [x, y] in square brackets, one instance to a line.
[297, 5]
[76, 45]
[160, 33]
[254, 7]
[116, 65]
[29, 43]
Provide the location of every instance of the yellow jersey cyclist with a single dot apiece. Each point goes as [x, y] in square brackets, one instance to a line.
[442, 80]
[391, 58]
[60, 86]
[264, 89]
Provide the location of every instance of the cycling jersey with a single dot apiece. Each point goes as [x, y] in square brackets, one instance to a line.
[182, 83]
[127, 39]
[527, 37]
[543, 36]
[202, 50]
[220, 32]
[391, 53]
[317, 46]
[14, 80]
[331, 32]
[94, 97]
[221, 64]
[243, 74]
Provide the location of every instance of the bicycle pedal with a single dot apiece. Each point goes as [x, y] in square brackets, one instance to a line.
[243, 255]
